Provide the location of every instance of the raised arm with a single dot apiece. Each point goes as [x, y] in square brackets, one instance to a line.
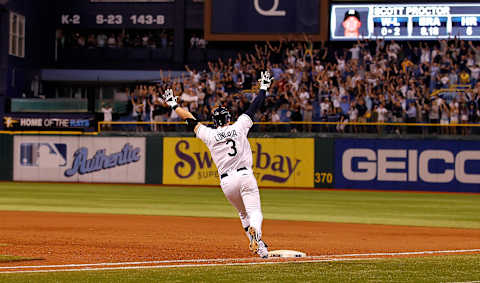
[265, 82]
[305, 37]
[269, 45]
[171, 100]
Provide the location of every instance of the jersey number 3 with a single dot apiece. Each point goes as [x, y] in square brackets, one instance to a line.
[232, 147]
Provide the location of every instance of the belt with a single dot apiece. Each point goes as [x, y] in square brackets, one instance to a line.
[225, 174]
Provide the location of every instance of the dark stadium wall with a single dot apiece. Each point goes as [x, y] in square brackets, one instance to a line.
[15, 72]
[179, 16]
[3, 57]
[193, 15]
[179, 31]
[6, 152]
[25, 68]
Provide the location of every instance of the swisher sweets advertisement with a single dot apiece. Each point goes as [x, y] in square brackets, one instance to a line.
[276, 162]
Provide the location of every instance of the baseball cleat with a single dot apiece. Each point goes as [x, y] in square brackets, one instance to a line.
[253, 239]
[262, 249]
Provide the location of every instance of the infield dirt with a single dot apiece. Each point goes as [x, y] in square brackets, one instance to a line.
[69, 238]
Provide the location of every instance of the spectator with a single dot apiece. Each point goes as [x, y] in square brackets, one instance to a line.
[160, 112]
[362, 112]
[164, 40]
[137, 105]
[91, 41]
[412, 116]
[308, 115]
[296, 116]
[434, 113]
[189, 98]
[397, 114]
[116, 39]
[381, 116]
[454, 117]
[81, 40]
[107, 116]
[368, 81]
[112, 41]
[194, 42]
[353, 116]
[445, 117]
[145, 40]
[202, 43]
[101, 40]
[464, 117]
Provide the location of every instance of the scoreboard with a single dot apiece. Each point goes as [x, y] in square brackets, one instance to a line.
[419, 21]
[114, 14]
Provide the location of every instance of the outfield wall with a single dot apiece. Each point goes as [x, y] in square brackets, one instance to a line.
[6, 157]
[439, 165]
[277, 162]
[79, 159]
[341, 163]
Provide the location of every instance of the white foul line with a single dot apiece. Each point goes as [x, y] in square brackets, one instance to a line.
[400, 253]
[131, 263]
[233, 259]
[321, 258]
[186, 265]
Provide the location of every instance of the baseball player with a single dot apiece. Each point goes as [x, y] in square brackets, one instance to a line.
[231, 152]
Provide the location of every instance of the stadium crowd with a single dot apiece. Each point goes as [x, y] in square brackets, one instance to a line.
[114, 39]
[371, 81]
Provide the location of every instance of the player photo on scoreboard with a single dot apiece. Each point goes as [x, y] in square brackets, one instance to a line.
[350, 22]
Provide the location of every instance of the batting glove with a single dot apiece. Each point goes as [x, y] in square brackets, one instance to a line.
[265, 80]
[170, 99]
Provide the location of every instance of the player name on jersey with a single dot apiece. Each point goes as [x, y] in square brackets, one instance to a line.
[225, 135]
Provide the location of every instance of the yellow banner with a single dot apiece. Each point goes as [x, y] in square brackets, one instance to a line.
[277, 162]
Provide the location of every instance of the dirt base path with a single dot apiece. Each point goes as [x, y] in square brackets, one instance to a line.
[61, 238]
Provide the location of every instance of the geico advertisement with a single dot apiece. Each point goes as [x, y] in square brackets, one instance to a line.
[79, 159]
[276, 162]
[408, 165]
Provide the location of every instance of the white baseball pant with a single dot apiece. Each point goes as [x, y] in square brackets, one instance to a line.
[241, 189]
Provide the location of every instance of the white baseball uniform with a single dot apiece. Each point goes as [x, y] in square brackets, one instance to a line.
[232, 155]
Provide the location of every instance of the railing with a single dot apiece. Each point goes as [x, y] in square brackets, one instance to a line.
[138, 57]
[54, 105]
[61, 105]
[309, 127]
[91, 55]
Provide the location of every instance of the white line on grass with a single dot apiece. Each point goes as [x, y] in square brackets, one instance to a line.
[131, 263]
[186, 265]
[231, 259]
[400, 253]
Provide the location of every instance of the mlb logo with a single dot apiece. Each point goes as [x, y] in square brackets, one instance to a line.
[43, 155]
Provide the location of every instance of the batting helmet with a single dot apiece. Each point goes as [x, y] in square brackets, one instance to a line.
[221, 117]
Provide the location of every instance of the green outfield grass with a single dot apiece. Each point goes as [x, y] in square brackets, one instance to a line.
[396, 208]
[423, 269]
